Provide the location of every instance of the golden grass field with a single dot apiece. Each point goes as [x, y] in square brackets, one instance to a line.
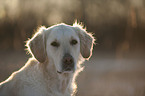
[102, 76]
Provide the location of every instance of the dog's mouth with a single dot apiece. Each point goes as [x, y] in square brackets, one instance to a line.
[67, 70]
[62, 72]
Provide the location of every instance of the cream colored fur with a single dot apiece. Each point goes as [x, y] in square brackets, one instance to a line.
[39, 76]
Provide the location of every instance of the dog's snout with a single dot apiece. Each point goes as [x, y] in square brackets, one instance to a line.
[68, 62]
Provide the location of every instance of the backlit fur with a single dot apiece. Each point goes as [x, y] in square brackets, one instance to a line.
[39, 76]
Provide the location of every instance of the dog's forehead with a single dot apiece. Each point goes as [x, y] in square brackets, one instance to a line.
[63, 31]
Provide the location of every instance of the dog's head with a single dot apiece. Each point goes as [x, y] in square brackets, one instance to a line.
[62, 45]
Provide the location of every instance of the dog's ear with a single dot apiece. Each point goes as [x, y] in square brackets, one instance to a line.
[36, 45]
[86, 41]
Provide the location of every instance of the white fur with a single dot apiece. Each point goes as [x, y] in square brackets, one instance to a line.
[39, 76]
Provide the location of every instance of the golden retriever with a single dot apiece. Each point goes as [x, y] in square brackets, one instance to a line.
[57, 53]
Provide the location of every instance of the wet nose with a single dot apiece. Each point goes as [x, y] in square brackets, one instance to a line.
[68, 62]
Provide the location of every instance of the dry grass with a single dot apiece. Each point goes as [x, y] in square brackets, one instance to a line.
[111, 77]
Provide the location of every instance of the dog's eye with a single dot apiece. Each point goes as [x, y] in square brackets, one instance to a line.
[55, 44]
[74, 42]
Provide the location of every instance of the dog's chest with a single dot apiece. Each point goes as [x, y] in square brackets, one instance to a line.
[43, 89]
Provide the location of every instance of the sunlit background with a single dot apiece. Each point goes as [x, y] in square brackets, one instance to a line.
[117, 67]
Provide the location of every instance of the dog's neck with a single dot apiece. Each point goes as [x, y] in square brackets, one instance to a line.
[64, 80]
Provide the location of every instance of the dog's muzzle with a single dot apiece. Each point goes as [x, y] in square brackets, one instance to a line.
[67, 63]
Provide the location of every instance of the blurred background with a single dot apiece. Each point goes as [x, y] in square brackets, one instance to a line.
[117, 67]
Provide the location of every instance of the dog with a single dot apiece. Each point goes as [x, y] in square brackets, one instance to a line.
[57, 54]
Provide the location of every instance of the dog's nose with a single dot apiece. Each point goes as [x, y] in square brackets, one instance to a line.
[68, 62]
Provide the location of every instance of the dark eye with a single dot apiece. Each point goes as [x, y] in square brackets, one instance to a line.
[74, 42]
[55, 44]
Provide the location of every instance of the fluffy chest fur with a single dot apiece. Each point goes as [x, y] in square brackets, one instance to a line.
[43, 80]
[37, 80]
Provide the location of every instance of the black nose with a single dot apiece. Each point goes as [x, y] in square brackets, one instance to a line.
[68, 62]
